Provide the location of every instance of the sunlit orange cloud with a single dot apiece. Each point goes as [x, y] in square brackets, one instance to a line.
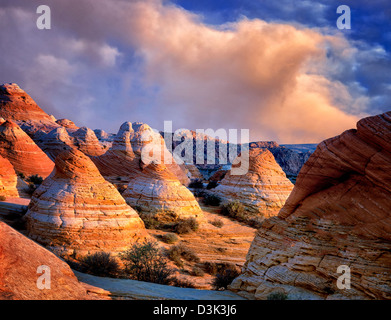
[267, 77]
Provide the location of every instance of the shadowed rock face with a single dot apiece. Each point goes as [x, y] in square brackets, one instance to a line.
[8, 179]
[20, 258]
[22, 152]
[339, 213]
[156, 189]
[263, 189]
[76, 211]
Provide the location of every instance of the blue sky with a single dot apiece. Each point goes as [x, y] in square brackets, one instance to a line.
[278, 68]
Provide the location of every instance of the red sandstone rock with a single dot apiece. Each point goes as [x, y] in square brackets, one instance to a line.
[22, 152]
[8, 179]
[339, 213]
[20, 258]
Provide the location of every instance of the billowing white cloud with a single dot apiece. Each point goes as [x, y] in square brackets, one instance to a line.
[153, 61]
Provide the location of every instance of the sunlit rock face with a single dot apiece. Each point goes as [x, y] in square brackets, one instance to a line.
[25, 156]
[8, 179]
[76, 211]
[135, 145]
[156, 189]
[262, 189]
[339, 213]
[20, 260]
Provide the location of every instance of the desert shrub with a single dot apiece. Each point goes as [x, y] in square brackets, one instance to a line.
[100, 264]
[255, 222]
[160, 220]
[182, 283]
[233, 209]
[21, 175]
[224, 279]
[179, 252]
[145, 262]
[196, 184]
[36, 179]
[212, 185]
[197, 272]
[214, 268]
[217, 223]
[212, 199]
[169, 238]
[186, 226]
[3, 198]
[31, 187]
[277, 295]
[199, 193]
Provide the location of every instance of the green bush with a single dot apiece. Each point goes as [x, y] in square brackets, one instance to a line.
[100, 264]
[36, 179]
[212, 185]
[233, 209]
[277, 295]
[214, 268]
[145, 262]
[212, 200]
[182, 283]
[196, 184]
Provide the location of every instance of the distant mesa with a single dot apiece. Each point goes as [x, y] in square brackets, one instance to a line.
[156, 189]
[338, 214]
[25, 156]
[263, 189]
[8, 179]
[76, 211]
[20, 259]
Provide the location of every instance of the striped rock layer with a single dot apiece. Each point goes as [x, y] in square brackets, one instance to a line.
[263, 189]
[76, 211]
[156, 189]
[339, 214]
[22, 152]
[8, 179]
[124, 159]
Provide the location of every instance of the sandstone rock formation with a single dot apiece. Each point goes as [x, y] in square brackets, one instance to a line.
[87, 142]
[156, 189]
[66, 123]
[8, 179]
[22, 152]
[76, 211]
[20, 260]
[263, 189]
[17, 105]
[339, 214]
[54, 142]
[124, 159]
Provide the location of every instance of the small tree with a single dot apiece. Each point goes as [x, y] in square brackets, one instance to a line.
[145, 262]
[100, 264]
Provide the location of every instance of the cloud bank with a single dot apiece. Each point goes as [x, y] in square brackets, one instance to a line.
[105, 62]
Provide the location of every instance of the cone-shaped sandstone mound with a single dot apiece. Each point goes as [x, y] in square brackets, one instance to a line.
[23, 262]
[8, 179]
[132, 142]
[55, 142]
[262, 189]
[76, 210]
[87, 142]
[16, 104]
[156, 189]
[22, 152]
[339, 214]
